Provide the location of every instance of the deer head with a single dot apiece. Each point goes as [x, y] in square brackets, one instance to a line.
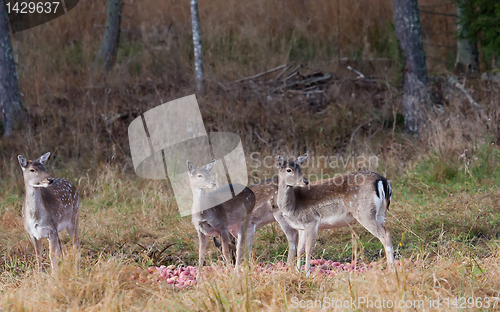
[290, 173]
[200, 178]
[34, 173]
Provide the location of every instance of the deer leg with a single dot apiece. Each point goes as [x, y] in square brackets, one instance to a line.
[224, 235]
[201, 253]
[250, 235]
[75, 240]
[38, 252]
[292, 236]
[240, 245]
[55, 249]
[311, 234]
[389, 249]
[73, 232]
[380, 232]
[301, 248]
[73, 235]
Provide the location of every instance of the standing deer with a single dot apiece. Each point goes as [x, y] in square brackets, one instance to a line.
[332, 203]
[266, 211]
[51, 205]
[232, 215]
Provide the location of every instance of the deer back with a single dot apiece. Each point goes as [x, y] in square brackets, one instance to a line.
[266, 194]
[349, 193]
[226, 214]
[60, 198]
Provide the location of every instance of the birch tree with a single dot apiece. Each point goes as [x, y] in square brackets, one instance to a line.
[198, 62]
[111, 38]
[416, 99]
[12, 110]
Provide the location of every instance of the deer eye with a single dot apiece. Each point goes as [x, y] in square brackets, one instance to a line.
[32, 170]
[200, 176]
[289, 170]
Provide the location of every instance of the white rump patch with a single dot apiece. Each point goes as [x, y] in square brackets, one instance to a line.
[379, 201]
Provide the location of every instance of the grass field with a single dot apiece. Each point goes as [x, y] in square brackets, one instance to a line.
[445, 209]
[444, 218]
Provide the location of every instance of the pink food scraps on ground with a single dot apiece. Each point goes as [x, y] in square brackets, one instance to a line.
[184, 277]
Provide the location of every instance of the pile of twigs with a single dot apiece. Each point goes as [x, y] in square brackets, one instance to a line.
[288, 80]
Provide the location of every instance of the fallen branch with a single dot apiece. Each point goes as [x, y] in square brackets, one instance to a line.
[478, 108]
[359, 127]
[260, 74]
[310, 80]
[282, 72]
[304, 92]
[360, 75]
[260, 138]
[292, 73]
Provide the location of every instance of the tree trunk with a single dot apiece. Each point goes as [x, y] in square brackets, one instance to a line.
[111, 38]
[198, 63]
[12, 110]
[467, 52]
[416, 98]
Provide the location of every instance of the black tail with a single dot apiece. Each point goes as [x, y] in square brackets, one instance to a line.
[386, 184]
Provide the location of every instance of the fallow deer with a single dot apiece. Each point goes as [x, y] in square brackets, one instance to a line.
[266, 211]
[51, 205]
[332, 203]
[231, 216]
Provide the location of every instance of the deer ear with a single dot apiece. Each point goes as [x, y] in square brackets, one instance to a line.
[280, 162]
[210, 165]
[22, 161]
[43, 158]
[190, 168]
[301, 159]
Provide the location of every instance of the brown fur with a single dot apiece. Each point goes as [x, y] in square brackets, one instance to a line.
[50, 206]
[332, 203]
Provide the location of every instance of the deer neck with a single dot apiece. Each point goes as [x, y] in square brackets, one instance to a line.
[33, 199]
[199, 201]
[286, 197]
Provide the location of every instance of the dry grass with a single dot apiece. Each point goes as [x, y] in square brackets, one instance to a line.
[105, 285]
[445, 210]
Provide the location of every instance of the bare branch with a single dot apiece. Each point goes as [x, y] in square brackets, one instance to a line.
[261, 74]
[478, 108]
[360, 75]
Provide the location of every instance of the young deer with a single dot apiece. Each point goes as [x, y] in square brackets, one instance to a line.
[231, 216]
[51, 205]
[332, 203]
[266, 211]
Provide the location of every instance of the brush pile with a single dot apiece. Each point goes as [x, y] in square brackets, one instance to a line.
[288, 82]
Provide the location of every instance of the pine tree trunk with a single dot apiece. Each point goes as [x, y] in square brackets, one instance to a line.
[13, 113]
[467, 52]
[198, 63]
[111, 38]
[416, 99]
